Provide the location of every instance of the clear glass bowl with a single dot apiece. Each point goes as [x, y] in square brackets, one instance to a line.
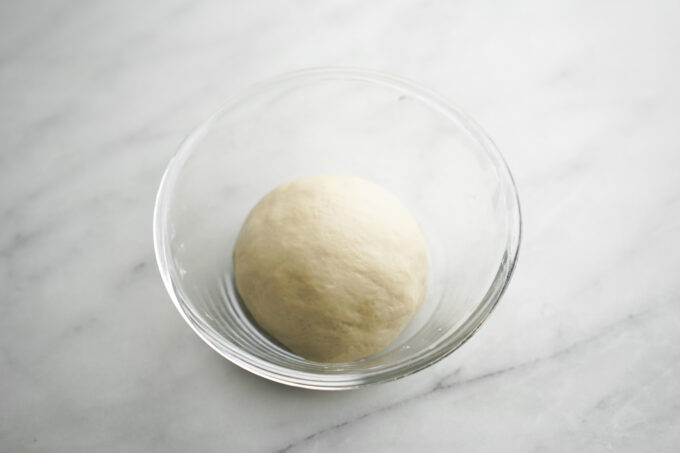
[429, 153]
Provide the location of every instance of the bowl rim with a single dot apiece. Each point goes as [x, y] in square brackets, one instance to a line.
[311, 380]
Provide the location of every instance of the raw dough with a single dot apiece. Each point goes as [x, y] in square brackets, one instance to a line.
[331, 266]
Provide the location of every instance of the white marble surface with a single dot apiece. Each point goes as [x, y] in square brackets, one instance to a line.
[583, 353]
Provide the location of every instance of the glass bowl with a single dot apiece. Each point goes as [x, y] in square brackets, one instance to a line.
[429, 153]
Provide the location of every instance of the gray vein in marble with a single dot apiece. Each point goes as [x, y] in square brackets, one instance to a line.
[32, 38]
[443, 386]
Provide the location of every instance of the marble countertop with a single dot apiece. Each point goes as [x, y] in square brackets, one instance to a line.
[583, 352]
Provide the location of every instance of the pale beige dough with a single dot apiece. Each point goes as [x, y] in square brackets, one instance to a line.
[332, 266]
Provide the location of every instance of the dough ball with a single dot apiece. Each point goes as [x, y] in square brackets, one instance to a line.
[331, 266]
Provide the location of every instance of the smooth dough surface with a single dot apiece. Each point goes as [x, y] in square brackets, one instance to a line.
[332, 266]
